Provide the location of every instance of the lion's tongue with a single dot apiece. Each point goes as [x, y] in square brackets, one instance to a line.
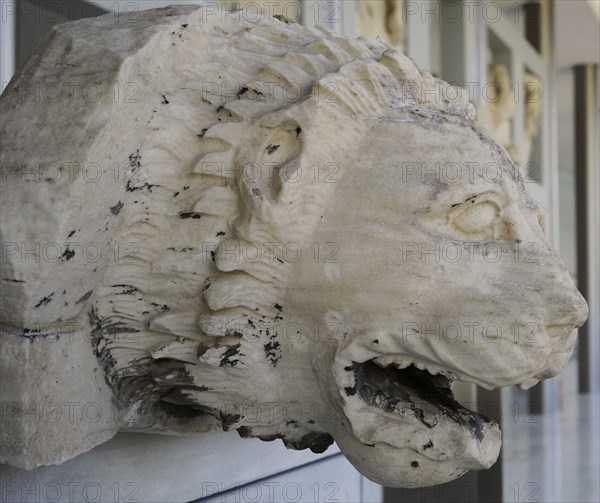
[418, 397]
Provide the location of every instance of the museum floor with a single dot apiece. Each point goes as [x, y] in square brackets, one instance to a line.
[554, 458]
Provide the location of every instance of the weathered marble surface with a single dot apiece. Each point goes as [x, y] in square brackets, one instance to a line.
[266, 228]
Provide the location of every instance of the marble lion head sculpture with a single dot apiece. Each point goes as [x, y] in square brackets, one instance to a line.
[275, 230]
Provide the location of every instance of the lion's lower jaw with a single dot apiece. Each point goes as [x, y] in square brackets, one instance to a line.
[403, 427]
[402, 466]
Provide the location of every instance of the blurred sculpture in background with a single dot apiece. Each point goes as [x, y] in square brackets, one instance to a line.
[499, 108]
[532, 90]
[501, 101]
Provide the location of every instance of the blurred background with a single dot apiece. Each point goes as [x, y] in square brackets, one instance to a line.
[531, 69]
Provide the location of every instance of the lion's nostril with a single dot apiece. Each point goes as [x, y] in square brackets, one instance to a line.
[565, 321]
[580, 310]
[567, 308]
[565, 326]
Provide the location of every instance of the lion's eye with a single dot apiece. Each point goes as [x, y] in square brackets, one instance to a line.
[477, 219]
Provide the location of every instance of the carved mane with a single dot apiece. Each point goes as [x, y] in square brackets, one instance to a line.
[194, 161]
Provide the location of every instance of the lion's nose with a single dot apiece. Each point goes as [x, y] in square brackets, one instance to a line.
[568, 308]
[582, 310]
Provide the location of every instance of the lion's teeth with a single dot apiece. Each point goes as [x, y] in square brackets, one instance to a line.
[401, 362]
[383, 361]
[389, 360]
[434, 370]
[449, 375]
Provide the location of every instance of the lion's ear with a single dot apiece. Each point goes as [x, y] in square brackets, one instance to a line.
[277, 163]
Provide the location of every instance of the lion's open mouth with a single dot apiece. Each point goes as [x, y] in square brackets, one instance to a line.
[400, 412]
[413, 391]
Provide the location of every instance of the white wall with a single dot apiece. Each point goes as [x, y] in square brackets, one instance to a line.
[7, 37]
